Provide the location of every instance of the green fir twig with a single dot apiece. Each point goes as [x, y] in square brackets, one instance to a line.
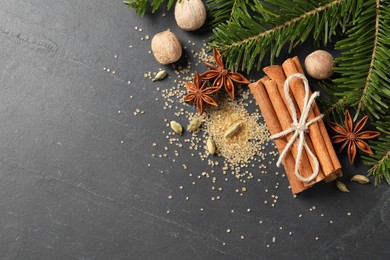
[270, 25]
[380, 160]
[141, 6]
[362, 68]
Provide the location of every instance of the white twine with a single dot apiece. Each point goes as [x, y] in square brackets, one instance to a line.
[299, 127]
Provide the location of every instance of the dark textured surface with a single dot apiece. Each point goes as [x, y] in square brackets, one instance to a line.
[74, 176]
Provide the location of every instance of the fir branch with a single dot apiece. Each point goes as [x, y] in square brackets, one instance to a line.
[367, 50]
[221, 10]
[284, 25]
[373, 56]
[332, 107]
[380, 160]
[274, 23]
[224, 10]
[142, 5]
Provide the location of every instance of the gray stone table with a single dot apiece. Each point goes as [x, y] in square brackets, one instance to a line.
[77, 176]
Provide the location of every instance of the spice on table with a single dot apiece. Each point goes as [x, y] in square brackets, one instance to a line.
[322, 144]
[341, 186]
[277, 112]
[200, 93]
[283, 115]
[360, 178]
[194, 124]
[210, 144]
[353, 136]
[221, 75]
[160, 75]
[176, 127]
[244, 155]
[239, 149]
[166, 47]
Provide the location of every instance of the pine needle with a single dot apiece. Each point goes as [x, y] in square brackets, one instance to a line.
[141, 6]
[380, 160]
[366, 49]
[269, 25]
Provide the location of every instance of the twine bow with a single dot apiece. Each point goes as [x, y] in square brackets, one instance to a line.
[299, 127]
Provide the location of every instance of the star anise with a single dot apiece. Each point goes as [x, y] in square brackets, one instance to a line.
[353, 136]
[200, 94]
[221, 75]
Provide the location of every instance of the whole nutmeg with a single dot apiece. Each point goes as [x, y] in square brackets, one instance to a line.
[319, 64]
[190, 15]
[166, 47]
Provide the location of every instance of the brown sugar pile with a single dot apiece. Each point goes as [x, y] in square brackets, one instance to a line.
[243, 146]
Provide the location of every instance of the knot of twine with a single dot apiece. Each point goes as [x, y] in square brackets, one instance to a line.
[299, 127]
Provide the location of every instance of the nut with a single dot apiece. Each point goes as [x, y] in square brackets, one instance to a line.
[319, 64]
[166, 47]
[190, 15]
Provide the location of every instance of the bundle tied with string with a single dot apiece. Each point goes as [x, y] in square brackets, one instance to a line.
[296, 125]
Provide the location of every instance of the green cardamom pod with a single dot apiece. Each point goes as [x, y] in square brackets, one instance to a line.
[194, 124]
[210, 144]
[360, 178]
[176, 127]
[232, 130]
[160, 75]
[342, 186]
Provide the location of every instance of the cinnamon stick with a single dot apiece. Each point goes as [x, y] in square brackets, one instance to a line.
[262, 99]
[298, 90]
[285, 120]
[276, 73]
[324, 132]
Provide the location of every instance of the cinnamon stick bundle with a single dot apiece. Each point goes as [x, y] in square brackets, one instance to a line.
[305, 167]
[326, 154]
[269, 94]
